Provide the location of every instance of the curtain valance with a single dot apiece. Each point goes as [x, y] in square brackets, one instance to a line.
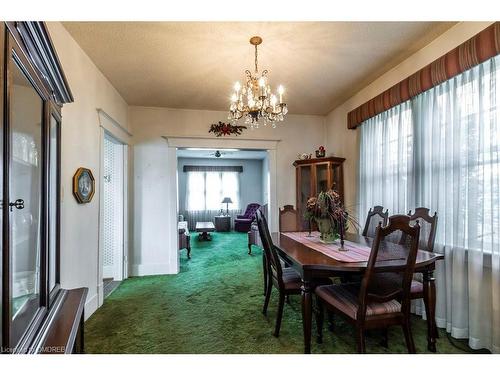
[213, 168]
[474, 51]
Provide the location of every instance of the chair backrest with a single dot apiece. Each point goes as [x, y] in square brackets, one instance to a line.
[428, 226]
[272, 258]
[375, 215]
[289, 219]
[400, 287]
[250, 210]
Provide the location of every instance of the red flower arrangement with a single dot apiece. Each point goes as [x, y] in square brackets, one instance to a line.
[223, 129]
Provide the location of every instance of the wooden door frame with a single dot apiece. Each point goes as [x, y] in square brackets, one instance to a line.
[121, 135]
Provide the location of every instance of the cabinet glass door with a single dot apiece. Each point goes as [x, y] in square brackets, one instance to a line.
[305, 191]
[322, 177]
[53, 206]
[337, 179]
[25, 184]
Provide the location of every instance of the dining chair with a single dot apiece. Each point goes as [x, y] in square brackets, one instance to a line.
[371, 304]
[286, 280]
[289, 219]
[428, 225]
[375, 215]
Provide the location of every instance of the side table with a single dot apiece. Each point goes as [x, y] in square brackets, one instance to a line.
[222, 223]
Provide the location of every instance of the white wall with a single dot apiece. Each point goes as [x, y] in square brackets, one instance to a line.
[81, 148]
[151, 253]
[345, 142]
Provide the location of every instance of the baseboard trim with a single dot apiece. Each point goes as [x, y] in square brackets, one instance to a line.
[91, 306]
[153, 269]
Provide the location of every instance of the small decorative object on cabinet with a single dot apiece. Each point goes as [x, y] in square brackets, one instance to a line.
[304, 156]
[320, 152]
[314, 176]
[83, 185]
[38, 316]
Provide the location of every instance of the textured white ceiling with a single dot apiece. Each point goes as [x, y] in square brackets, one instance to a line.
[195, 64]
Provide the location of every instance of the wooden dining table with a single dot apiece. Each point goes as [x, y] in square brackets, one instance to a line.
[312, 264]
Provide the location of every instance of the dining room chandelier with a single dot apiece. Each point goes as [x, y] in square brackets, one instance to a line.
[254, 100]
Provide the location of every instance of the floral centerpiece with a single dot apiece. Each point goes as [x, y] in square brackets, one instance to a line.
[330, 215]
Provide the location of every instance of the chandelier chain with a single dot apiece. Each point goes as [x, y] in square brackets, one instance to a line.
[256, 67]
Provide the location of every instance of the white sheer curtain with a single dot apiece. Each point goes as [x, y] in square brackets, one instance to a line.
[386, 160]
[205, 192]
[455, 143]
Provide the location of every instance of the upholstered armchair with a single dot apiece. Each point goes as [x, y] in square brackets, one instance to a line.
[242, 223]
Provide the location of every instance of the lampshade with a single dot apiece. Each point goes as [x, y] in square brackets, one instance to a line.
[227, 200]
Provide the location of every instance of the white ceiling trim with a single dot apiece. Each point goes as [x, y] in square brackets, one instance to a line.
[221, 143]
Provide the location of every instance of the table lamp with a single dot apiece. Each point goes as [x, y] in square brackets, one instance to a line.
[227, 200]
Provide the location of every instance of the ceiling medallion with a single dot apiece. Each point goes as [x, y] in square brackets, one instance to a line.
[254, 100]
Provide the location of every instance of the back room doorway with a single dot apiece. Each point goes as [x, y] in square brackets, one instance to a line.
[113, 213]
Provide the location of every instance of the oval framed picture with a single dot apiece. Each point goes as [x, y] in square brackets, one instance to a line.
[83, 185]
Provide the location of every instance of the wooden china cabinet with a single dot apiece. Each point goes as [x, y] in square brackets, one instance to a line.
[314, 176]
[37, 315]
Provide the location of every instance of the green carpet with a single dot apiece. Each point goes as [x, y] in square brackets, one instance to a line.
[214, 306]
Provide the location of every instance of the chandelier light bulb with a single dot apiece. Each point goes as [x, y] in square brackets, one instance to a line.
[237, 87]
[273, 100]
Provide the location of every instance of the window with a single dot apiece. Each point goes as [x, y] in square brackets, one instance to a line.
[206, 190]
[440, 150]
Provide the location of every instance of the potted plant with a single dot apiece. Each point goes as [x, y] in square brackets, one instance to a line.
[329, 213]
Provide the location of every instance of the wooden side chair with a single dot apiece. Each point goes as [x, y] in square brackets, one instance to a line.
[286, 280]
[428, 225]
[289, 219]
[370, 305]
[375, 215]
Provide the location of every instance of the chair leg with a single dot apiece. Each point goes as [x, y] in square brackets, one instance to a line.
[408, 337]
[385, 337]
[264, 271]
[288, 299]
[280, 314]
[331, 324]
[360, 337]
[427, 314]
[320, 315]
[249, 248]
[269, 289]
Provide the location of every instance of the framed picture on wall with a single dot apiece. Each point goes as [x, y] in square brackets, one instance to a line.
[83, 185]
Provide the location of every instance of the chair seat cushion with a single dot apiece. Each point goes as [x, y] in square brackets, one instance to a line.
[291, 279]
[344, 297]
[416, 287]
[243, 220]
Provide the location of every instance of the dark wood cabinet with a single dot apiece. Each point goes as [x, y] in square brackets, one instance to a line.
[314, 176]
[34, 306]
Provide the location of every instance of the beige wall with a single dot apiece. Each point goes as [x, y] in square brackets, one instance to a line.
[344, 142]
[151, 159]
[81, 148]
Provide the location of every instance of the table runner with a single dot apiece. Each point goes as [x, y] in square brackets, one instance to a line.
[355, 252]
